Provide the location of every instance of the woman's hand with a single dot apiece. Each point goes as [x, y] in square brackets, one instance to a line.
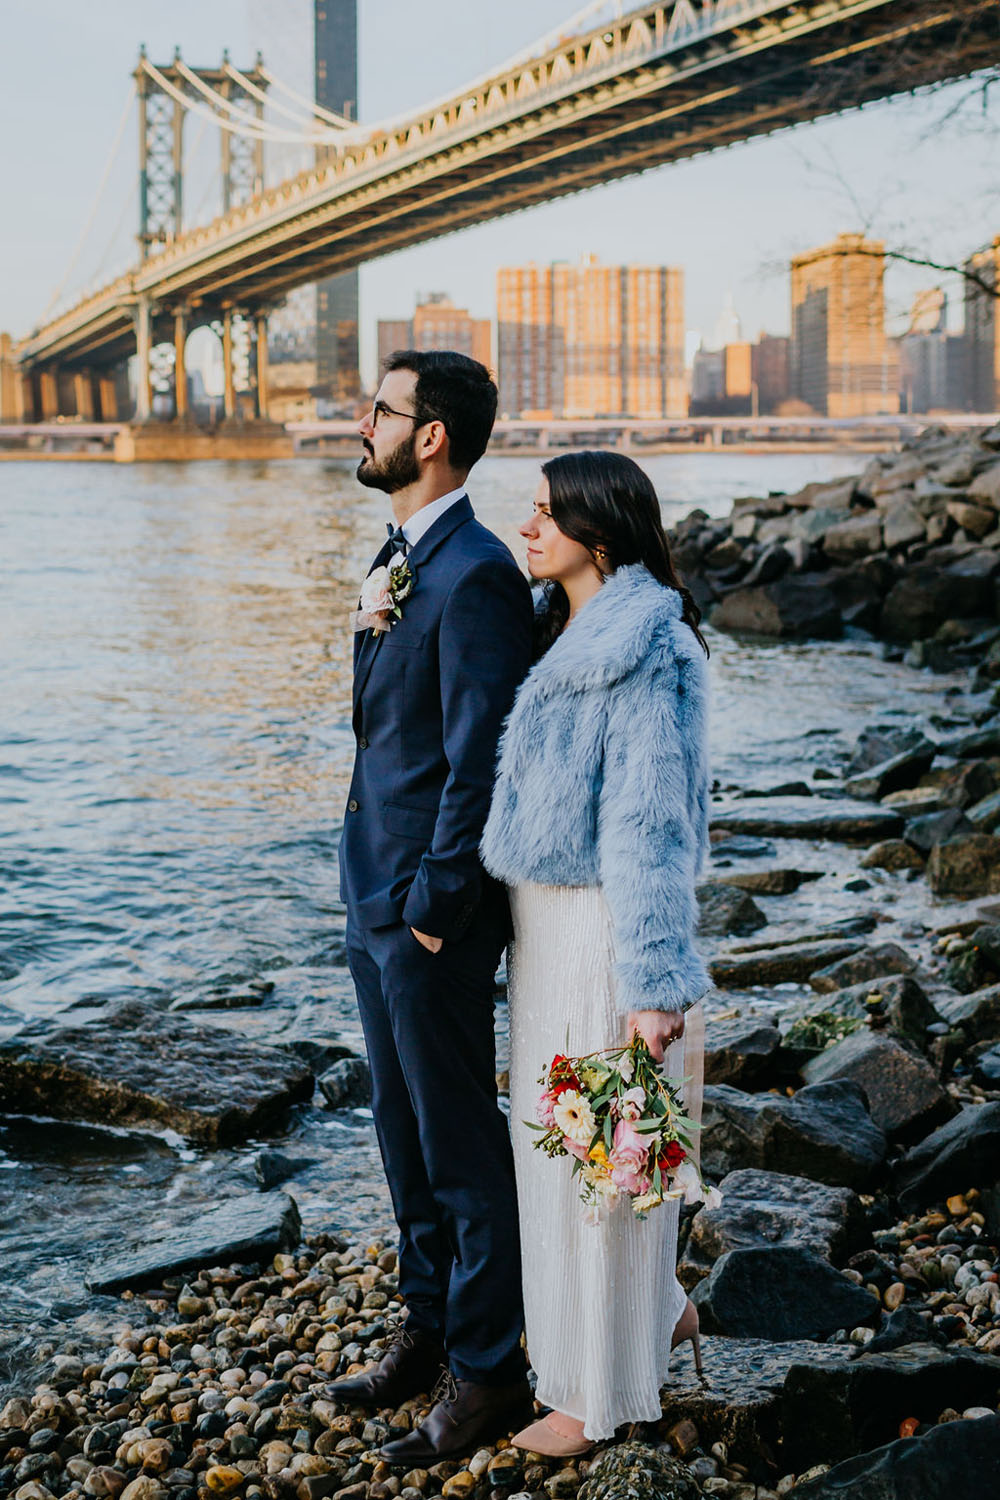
[658, 1028]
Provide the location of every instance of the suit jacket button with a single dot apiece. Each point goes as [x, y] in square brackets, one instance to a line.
[352, 806]
[362, 744]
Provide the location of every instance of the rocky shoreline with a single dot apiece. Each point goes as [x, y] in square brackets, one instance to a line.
[849, 1283]
[907, 551]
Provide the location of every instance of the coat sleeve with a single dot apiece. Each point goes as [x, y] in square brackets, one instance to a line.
[484, 645]
[651, 834]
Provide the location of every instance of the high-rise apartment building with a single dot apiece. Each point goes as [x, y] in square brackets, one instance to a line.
[769, 367]
[437, 324]
[932, 373]
[842, 364]
[591, 340]
[982, 334]
[336, 85]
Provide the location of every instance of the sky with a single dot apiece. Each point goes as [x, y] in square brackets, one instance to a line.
[914, 171]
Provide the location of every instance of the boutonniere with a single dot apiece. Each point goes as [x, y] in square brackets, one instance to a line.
[382, 594]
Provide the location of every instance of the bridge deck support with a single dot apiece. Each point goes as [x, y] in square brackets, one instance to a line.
[262, 405]
[144, 348]
[180, 364]
[229, 386]
[48, 385]
[83, 395]
[107, 397]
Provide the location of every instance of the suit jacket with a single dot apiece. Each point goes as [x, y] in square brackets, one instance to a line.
[430, 698]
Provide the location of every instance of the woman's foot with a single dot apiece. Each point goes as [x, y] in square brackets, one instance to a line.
[554, 1436]
[687, 1328]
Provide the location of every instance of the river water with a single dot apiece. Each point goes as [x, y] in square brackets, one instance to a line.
[175, 748]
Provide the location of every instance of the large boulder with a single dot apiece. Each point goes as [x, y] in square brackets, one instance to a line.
[932, 828]
[780, 965]
[898, 773]
[968, 864]
[812, 818]
[909, 1010]
[771, 1208]
[724, 909]
[137, 1065]
[955, 1458]
[631, 1469]
[347, 1084]
[833, 1412]
[862, 967]
[878, 743]
[740, 1050]
[891, 854]
[920, 600]
[772, 882]
[904, 1095]
[249, 1229]
[780, 1292]
[824, 1132]
[961, 1154]
[856, 537]
[796, 607]
[978, 1014]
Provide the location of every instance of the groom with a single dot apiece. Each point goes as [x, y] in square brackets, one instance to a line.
[425, 925]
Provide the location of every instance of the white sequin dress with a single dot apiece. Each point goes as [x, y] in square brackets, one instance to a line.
[600, 1301]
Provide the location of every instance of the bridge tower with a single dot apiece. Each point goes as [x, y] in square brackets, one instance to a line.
[335, 26]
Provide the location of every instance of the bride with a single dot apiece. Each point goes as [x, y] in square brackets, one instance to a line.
[598, 825]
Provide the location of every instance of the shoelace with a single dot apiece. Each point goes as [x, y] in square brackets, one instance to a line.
[445, 1391]
[398, 1339]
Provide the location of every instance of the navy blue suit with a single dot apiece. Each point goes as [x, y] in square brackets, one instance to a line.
[430, 698]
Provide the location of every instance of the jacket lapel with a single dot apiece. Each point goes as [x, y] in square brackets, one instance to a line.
[366, 643]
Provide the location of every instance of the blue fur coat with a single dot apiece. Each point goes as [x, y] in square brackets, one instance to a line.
[603, 780]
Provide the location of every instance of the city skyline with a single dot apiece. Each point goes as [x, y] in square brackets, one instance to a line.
[779, 192]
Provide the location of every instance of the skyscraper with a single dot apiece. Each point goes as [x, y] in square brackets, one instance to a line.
[437, 324]
[336, 88]
[842, 364]
[982, 336]
[591, 340]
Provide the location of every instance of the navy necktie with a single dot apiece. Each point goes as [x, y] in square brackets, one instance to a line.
[397, 538]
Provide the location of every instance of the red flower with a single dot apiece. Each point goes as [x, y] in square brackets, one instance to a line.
[561, 1073]
[671, 1156]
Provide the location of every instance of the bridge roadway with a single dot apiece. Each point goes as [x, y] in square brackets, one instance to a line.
[665, 81]
[69, 438]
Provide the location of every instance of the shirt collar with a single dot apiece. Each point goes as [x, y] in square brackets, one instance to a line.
[423, 519]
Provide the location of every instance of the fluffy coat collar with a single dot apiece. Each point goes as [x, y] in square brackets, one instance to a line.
[613, 632]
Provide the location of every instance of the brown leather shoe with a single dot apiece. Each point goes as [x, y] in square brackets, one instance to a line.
[464, 1417]
[411, 1364]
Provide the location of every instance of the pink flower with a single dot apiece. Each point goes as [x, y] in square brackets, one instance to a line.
[632, 1104]
[544, 1109]
[628, 1149]
[575, 1148]
[627, 1179]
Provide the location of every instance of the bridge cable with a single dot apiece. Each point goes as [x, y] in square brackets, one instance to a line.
[95, 204]
[251, 88]
[340, 121]
[251, 131]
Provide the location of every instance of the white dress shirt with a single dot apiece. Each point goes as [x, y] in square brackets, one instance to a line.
[424, 518]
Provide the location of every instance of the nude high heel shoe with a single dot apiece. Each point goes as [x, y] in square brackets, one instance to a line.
[545, 1437]
[687, 1328]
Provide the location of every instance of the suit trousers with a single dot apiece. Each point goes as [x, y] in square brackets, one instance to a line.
[428, 1024]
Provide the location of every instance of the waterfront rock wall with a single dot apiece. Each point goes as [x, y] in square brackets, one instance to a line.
[908, 551]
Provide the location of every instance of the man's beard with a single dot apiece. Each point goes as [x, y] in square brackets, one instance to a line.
[395, 472]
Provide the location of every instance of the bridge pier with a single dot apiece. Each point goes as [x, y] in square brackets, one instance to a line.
[229, 382]
[262, 409]
[83, 395]
[48, 390]
[180, 364]
[107, 398]
[143, 349]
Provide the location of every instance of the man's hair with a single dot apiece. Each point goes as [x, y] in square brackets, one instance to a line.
[456, 390]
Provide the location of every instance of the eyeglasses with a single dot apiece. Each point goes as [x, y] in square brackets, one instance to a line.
[380, 409]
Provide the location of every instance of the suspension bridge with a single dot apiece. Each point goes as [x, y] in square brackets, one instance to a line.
[614, 92]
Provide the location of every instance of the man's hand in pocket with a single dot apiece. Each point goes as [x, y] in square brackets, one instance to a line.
[432, 944]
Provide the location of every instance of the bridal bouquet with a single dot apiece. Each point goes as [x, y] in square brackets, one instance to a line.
[624, 1123]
